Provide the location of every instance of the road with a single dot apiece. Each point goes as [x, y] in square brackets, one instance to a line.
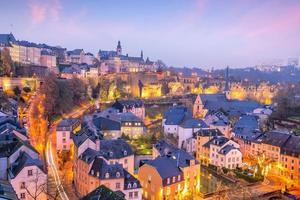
[55, 179]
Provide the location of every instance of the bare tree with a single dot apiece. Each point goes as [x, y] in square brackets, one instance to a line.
[37, 186]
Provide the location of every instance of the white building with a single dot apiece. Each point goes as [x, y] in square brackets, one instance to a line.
[224, 152]
[187, 129]
[64, 131]
[28, 177]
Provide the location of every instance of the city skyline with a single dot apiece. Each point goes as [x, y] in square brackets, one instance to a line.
[194, 34]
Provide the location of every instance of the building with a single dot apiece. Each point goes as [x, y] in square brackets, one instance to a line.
[75, 56]
[115, 61]
[114, 124]
[187, 129]
[223, 152]
[28, 177]
[64, 131]
[48, 59]
[173, 117]
[205, 103]
[103, 162]
[104, 193]
[170, 175]
[281, 150]
[135, 106]
[200, 138]
[218, 120]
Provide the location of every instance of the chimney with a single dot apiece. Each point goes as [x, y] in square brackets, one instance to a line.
[178, 159]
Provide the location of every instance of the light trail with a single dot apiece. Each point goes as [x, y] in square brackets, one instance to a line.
[52, 166]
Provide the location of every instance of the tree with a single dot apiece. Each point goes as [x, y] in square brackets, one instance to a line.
[51, 92]
[37, 186]
[65, 101]
[7, 65]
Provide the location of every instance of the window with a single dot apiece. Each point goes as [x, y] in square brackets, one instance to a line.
[129, 185]
[64, 140]
[118, 186]
[229, 159]
[125, 161]
[29, 172]
[136, 194]
[118, 174]
[168, 181]
[106, 175]
[22, 185]
[130, 195]
[64, 134]
[22, 195]
[178, 178]
[174, 179]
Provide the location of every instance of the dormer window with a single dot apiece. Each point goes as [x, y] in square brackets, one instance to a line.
[92, 172]
[106, 175]
[129, 185]
[111, 154]
[125, 153]
[134, 185]
[168, 181]
[178, 178]
[98, 174]
[118, 174]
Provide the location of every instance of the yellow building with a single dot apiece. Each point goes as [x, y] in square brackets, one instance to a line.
[151, 91]
[173, 174]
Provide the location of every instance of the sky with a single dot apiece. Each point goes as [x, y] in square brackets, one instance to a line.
[190, 33]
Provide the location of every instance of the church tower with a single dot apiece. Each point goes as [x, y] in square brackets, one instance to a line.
[227, 89]
[119, 48]
[142, 55]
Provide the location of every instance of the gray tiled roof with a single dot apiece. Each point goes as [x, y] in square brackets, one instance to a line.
[66, 124]
[103, 193]
[22, 161]
[7, 39]
[217, 140]
[101, 168]
[176, 115]
[120, 104]
[104, 123]
[194, 123]
[208, 132]
[226, 149]
[130, 180]
[115, 149]
[84, 134]
[7, 191]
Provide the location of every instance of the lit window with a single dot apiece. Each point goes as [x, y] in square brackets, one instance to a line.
[106, 175]
[168, 181]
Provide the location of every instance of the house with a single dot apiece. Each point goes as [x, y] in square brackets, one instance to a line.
[104, 193]
[137, 107]
[200, 138]
[64, 131]
[173, 117]
[205, 103]
[187, 129]
[224, 152]
[103, 162]
[170, 174]
[283, 150]
[114, 124]
[28, 177]
[218, 120]
[75, 56]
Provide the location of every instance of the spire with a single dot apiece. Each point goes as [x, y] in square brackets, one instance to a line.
[142, 55]
[227, 79]
[119, 48]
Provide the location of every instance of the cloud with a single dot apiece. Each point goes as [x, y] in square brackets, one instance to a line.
[45, 10]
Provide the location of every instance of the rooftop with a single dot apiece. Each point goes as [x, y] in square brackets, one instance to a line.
[103, 193]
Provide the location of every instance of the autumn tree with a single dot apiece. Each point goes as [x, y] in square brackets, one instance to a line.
[6, 65]
[50, 90]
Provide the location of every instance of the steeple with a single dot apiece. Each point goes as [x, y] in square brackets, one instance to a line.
[227, 89]
[119, 48]
[142, 55]
[227, 79]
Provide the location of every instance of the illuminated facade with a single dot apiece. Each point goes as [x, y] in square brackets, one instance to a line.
[172, 175]
[151, 91]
